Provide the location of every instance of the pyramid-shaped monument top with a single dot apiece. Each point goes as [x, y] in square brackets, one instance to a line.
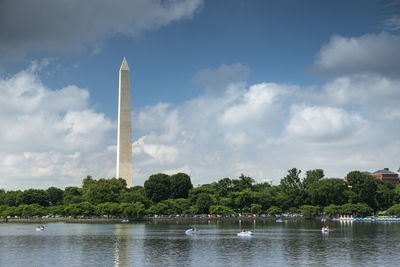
[124, 65]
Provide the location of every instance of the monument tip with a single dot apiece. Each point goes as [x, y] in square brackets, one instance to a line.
[124, 65]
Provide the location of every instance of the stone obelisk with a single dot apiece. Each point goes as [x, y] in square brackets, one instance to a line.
[124, 143]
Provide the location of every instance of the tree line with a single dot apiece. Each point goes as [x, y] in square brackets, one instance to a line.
[163, 194]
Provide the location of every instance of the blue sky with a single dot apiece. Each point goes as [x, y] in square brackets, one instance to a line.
[220, 88]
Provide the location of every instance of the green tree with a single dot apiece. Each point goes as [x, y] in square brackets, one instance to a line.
[256, 208]
[134, 210]
[3, 208]
[104, 190]
[385, 195]
[265, 198]
[108, 208]
[34, 196]
[243, 200]
[274, 210]
[361, 209]
[82, 208]
[312, 176]
[364, 187]
[292, 180]
[394, 210]
[72, 195]
[57, 210]
[192, 210]
[180, 184]
[244, 182]
[87, 182]
[221, 210]
[12, 197]
[10, 211]
[333, 209]
[209, 189]
[328, 191]
[292, 194]
[259, 187]
[2, 197]
[396, 196]
[181, 205]
[137, 189]
[33, 210]
[226, 201]
[55, 195]
[203, 203]
[309, 211]
[224, 187]
[132, 196]
[157, 187]
[171, 206]
[158, 209]
[87, 208]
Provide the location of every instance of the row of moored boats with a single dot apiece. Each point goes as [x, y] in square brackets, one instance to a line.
[367, 219]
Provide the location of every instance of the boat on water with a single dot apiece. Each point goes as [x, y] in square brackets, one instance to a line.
[325, 229]
[125, 221]
[40, 228]
[193, 230]
[346, 218]
[245, 232]
[279, 220]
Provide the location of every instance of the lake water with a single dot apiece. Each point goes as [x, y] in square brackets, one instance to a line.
[291, 243]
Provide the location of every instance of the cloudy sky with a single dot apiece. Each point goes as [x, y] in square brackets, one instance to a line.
[219, 88]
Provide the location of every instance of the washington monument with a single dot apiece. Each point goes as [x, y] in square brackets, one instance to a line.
[124, 143]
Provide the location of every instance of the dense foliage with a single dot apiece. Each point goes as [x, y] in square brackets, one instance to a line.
[163, 194]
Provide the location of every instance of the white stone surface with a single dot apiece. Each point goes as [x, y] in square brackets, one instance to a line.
[124, 143]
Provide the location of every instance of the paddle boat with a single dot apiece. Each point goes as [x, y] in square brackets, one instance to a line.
[193, 230]
[40, 228]
[325, 229]
[279, 220]
[125, 221]
[245, 232]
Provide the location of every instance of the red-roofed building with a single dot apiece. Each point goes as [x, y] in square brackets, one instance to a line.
[387, 176]
[384, 175]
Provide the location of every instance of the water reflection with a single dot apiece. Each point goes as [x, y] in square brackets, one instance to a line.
[123, 245]
[167, 244]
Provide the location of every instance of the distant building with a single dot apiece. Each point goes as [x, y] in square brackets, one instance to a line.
[384, 175]
[387, 176]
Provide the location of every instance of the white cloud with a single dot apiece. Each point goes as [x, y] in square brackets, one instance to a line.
[366, 90]
[369, 53]
[254, 103]
[48, 136]
[323, 124]
[183, 169]
[157, 117]
[67, 26]
[265, 129]
[159, 153]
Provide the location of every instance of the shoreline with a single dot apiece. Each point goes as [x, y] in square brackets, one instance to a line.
[147, 219]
